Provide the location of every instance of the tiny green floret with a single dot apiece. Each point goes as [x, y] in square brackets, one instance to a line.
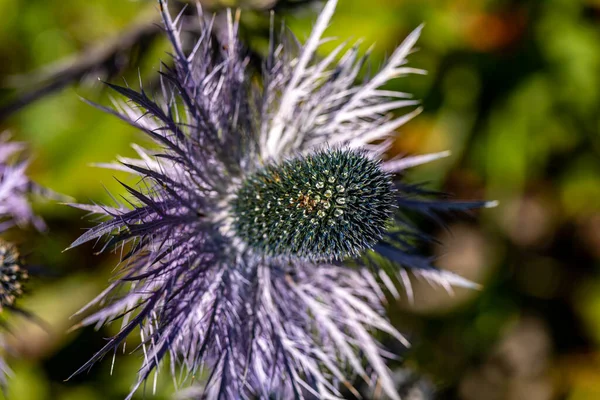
[329, 205]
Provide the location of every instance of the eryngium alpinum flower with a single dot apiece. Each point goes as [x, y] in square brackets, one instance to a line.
[261, 234]
[15, 210]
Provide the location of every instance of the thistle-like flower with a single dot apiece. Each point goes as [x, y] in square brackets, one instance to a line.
[264, 229]
[15, 210]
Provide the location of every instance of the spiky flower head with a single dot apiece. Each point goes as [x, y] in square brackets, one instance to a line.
[12, 277]
[12, 274]
[331, 204]
[266, 224]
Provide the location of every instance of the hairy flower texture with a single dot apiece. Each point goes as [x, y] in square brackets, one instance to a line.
[263, 232]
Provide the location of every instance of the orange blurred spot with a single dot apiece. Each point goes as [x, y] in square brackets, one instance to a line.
[491, 32]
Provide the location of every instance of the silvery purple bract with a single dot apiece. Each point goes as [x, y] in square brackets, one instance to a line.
[248, 323]
[15, 188]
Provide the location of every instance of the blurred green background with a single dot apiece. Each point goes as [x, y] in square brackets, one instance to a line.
[513, 90]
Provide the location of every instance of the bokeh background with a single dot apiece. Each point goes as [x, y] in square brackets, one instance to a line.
[513, 90]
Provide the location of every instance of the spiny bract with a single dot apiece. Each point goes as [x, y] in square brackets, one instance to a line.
[328, 205]
[16, 187]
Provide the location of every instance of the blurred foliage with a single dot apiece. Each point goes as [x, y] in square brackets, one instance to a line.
[513, 90]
